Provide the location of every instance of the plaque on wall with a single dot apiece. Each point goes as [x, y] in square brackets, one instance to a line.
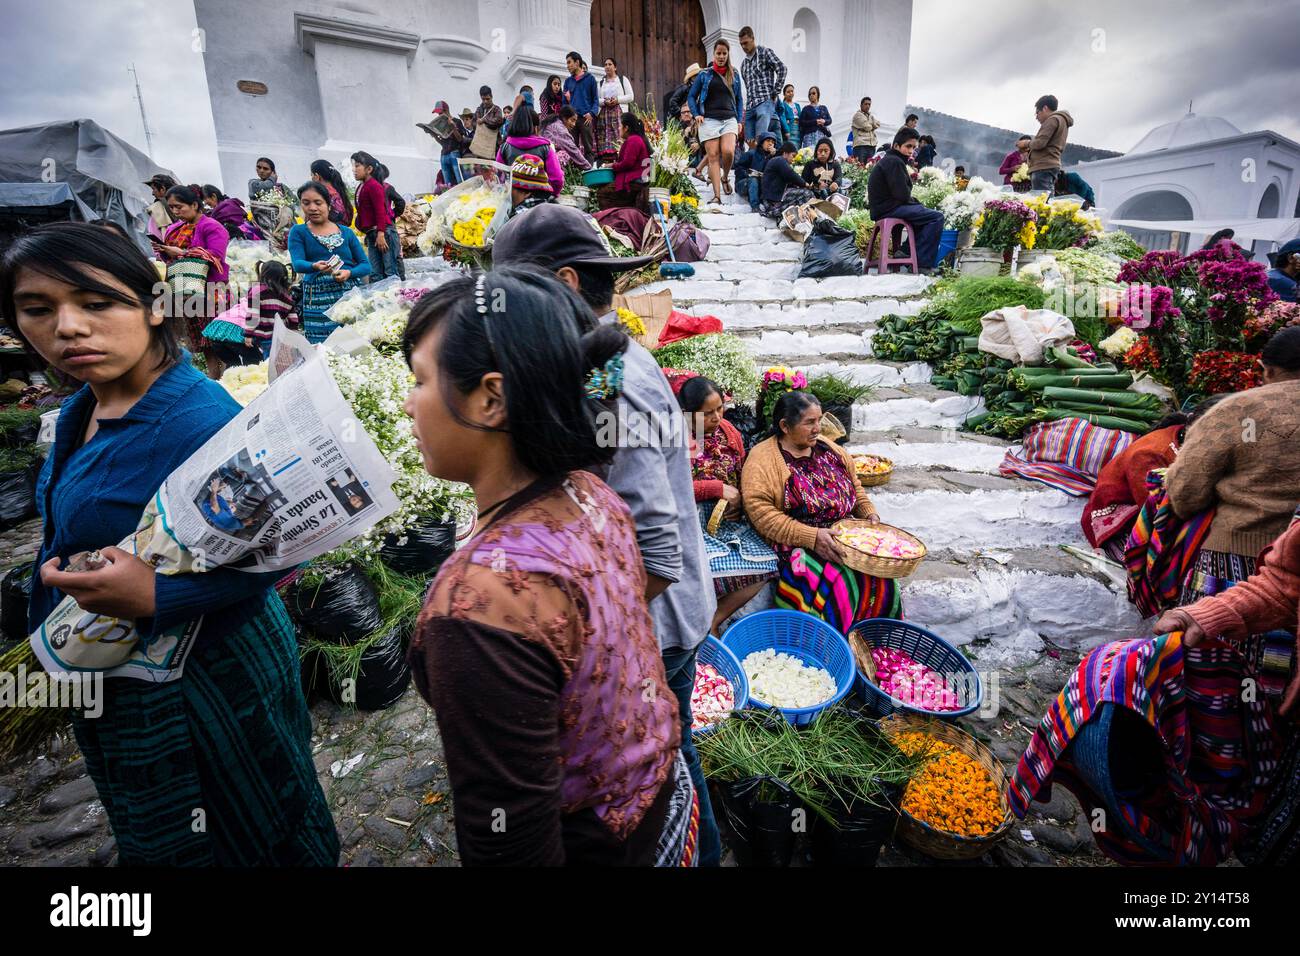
[252, 87]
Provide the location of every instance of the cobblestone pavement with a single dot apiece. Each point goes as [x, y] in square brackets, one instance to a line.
[384, 777]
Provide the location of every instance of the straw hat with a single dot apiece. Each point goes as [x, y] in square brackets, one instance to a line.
[691, 71]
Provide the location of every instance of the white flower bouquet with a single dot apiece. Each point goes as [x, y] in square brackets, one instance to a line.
[468, 215]
[245, 382]
[243, 257]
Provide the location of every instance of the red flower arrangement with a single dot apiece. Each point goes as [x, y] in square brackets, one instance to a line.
[1219, 371]
[1142, 357]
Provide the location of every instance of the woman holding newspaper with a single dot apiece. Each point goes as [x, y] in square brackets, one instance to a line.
[214, 767]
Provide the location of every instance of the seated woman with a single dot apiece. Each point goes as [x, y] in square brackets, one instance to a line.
[230, 212]
[558, 129]
[822, 172]
[535, 646]
[740, 561]
[1157, 733]
[795, 486]
[629, 187]
[1121, 487]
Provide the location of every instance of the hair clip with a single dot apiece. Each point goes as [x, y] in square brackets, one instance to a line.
[480, 293]
[607, 381]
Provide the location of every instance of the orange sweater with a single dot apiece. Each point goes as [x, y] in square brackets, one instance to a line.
[762, 488]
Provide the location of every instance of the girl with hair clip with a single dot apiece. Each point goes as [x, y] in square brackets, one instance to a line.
[535, 647]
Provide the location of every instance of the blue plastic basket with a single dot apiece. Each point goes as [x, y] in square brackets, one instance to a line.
[714, 652]
[927, 649]
[808, 638]
[601, 176]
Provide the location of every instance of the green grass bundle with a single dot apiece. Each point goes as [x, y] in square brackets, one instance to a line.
[965, 300]
[832, 389]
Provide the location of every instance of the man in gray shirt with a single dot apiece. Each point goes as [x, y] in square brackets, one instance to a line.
[651, 471]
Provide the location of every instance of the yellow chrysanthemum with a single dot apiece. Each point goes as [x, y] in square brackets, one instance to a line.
[631, 321]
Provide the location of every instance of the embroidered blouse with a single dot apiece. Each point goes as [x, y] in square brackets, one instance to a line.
[536, 651]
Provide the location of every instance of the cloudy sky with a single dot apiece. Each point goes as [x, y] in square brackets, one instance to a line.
[1120, 66]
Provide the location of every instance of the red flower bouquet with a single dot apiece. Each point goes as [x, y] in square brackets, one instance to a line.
[1220, 371]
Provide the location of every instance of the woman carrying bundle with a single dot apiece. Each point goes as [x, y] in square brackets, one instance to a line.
[796, 485]
[535, 647]
[194, 248]
[230, 212]
[329, 258]
[213, 768]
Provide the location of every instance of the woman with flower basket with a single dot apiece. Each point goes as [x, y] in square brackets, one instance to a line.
[194, 248]
[329, 258]
[740, 561]
[795, 486]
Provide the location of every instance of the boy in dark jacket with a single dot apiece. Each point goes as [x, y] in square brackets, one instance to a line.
[889, 195]
[778, 175]
[749, 167]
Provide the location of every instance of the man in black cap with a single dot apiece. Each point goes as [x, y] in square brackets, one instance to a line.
[651, 471]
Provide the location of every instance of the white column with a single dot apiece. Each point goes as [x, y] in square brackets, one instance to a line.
[543, 40]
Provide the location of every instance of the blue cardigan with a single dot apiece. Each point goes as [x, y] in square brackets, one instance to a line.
[91, 496]
[700, 90]
[808, 118]
[305, 249]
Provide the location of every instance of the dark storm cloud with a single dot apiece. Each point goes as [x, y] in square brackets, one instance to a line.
[990, 61]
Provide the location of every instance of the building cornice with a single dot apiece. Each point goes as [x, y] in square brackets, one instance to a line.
[311, 28]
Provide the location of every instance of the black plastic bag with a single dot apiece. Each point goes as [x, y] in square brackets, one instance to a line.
[15, 594]
[830, 251]
[382, 679]
[425, 548]
[858, 833]
[764, 817]
[751, 429]
[343, 608]
[17, 497]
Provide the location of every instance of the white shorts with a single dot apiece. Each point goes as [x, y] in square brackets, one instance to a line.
[714, 129]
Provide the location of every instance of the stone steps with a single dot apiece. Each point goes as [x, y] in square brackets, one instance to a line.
[996, 580]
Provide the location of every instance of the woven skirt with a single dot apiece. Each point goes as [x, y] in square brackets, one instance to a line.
[214, 768]
[836, 593]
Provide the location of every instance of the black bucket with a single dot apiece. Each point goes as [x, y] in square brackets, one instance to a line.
[343, 608]
[763, 816]
[858, 833]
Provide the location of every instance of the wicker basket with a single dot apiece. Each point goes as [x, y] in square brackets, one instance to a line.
[874, 564]
[872, 481]
[940, 844]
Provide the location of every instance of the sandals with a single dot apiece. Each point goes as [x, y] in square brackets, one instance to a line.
[726, 188]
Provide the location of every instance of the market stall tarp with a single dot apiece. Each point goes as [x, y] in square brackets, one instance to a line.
[105, 173]
[1269, 230]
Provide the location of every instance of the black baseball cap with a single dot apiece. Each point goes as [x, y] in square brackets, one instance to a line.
[555, 236]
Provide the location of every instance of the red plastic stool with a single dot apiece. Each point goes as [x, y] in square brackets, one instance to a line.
[886, 259]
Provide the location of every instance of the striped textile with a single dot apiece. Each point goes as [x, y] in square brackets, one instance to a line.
[839, 595]
[679, 839]
[1162, 549]
[1220, 753]
[232, 738]
[1067, 455]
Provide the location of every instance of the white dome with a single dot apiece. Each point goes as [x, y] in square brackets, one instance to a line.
[1187, 131]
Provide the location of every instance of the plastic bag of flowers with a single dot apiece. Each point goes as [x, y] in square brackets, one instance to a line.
[286, 480]
[467, 215]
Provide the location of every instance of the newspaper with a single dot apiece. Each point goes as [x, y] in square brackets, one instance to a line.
[293, 476]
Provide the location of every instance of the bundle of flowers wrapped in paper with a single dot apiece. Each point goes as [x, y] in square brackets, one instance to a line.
[467, 215]
[243, 257]
[1004, 224]
[378, 312]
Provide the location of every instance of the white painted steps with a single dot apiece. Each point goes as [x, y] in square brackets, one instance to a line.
[996, 580]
